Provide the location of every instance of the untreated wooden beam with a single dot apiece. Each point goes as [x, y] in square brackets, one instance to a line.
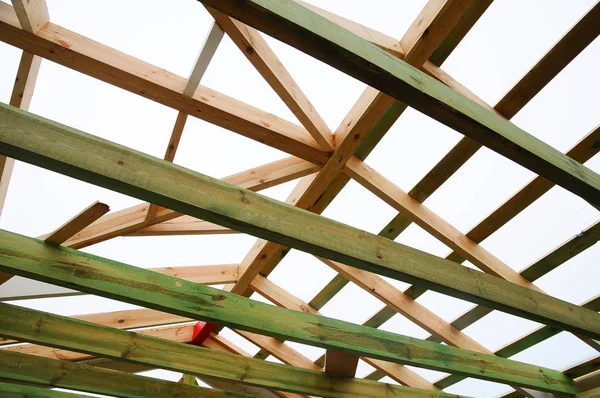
[114, 67]
[334, 45]
[32, 14]
[77, 223]
[62, 332]
[366, 123]
[259, 53]
[340, 364]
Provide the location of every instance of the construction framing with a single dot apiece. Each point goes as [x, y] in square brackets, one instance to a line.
[99, 353]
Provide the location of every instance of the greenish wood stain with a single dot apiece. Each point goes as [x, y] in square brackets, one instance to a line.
[36, 140]
[336, 46]
[67, 333]
[66, 267]
[24, 368]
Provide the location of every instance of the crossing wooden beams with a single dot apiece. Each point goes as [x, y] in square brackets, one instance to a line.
[61, 332]
[257, 51]
[52, 373]
[95, 275]
[94, 59]
[328, 42]
[57, 147]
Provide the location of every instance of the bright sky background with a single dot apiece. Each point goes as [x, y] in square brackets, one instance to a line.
[510, 37]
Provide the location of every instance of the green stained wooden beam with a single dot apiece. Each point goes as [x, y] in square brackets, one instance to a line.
[51, 373]
[529, 340]
[38, 260]
[47, 144]
[10, 390]
[67, 333]
[336, 46]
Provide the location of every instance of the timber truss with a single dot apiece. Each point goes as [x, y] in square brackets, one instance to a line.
[100, 353]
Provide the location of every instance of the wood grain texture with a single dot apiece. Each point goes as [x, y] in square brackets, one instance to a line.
[58, 331]
[62, 266]
[111, 66]
[133, 219]
[56, 147]
[335, 46]
[80, 377]
[32, 14]
[259, 53]
[77, 223]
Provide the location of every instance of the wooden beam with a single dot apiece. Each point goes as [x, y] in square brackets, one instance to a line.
[11, 390]
[61, 331]
[74, 225]
[584, 150]
[567, 48]
[92, 274]
[23, 368]
[132, 219]
[207, 51]
[22, 93]
[32, 14]
[258, 52]
[111, 66]
[77, 223]
[205, 274]
[536, 336]
[184, 225]
[38, 141]
[331, 44]
[358, 133]
[340, 364]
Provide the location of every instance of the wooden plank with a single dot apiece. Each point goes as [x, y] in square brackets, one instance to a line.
[111, 66]
[567, 48]
[11, 390]
[258, 52]
[132, 219]
[22, 93]
[74, 225]
[431, 222]
[334, 45]
[207, 51]
[63, 266]
[184, 225]
[53, 373]
[584, 150]
[370, 117]
[58, 331]
[32, 14]
[340, 364]
[529, 340]
[77, 223]
[44, 144]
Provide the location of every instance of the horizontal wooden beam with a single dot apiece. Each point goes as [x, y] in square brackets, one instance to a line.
[11, 390]
[62, 266]
[52, 373]
[126, 221]
[317, 36]
[56, 147]
[84, 55]
[62, 332]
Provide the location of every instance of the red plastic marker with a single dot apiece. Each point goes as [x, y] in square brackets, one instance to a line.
[201, 332]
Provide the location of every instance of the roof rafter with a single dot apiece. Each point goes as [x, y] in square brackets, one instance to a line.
[333, 45]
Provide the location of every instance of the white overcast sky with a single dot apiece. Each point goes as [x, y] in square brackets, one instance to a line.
[510, 37]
